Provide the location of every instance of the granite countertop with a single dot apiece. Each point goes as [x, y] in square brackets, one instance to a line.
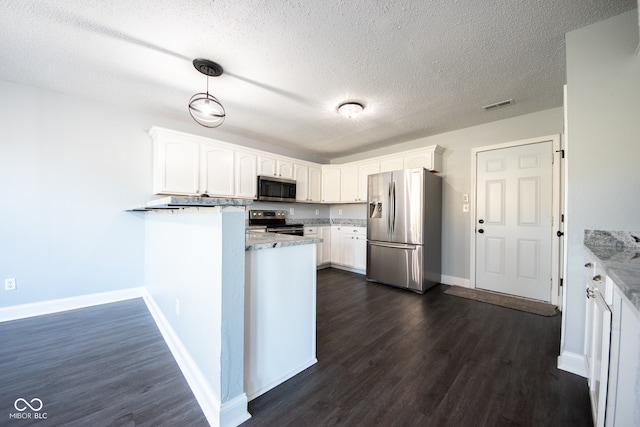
[261, 240]
[619, 253]
[178, 202]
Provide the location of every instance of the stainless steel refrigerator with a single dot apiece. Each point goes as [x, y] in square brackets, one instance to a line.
[404, 229]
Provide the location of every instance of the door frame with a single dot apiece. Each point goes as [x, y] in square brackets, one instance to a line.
[556, 210]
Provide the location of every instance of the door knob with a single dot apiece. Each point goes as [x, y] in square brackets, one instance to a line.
[481, 231]
[481, 221]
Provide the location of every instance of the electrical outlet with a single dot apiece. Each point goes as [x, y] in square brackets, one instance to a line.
[291, 211]
[465, 198]
[10, 284]
[317, 211]
[339, 211]
[465, 207]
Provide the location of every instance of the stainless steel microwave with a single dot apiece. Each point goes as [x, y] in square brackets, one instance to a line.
[276, 189]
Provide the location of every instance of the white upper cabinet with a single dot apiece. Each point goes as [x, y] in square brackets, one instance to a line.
[301, 175]
[315, 184]
[308, 183]
[272, 166]
[364, 170]
[285, 169]
[394, 163]
[176, 167]
[245, 174]
[349, 184]
[217, 176]
[267, 166]
[331, 184]
[185, 164]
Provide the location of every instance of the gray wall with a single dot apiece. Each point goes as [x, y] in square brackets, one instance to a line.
[456, 174]
[603, 86]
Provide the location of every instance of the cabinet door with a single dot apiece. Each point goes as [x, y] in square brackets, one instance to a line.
[360, 255]
[301, 175]
[284, 169]
[246, 176]
[364, 170]
[325, 234]
[267, 166]
[349, 184]
[330, 184]
[336, 245]
[422, 159]
[177, 167]
[348, 250]
[217, 171]
[315, 184]
[392, 164]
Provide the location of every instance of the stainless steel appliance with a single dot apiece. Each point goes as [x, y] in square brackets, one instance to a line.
[404, 228]
[274, 222]
[276, 189]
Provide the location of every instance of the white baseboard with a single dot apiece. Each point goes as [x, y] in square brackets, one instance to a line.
[24, 311]
[455, 281]
[209, 402]
[353, 270]
[274, 383]
[572, 362]
[234, 412]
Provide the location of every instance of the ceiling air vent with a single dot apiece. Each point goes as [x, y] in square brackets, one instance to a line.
[497, 104]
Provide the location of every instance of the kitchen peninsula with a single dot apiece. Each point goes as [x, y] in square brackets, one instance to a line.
[280, 309]
[237, 309]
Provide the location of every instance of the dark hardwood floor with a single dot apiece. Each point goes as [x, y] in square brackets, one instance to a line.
[99, 366]
[389, 357]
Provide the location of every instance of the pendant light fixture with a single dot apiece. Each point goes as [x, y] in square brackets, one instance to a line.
[350, 109]
[204, 107]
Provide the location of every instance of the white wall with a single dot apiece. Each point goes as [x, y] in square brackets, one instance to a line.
[456, 176]
[603, 87]
[68, 169]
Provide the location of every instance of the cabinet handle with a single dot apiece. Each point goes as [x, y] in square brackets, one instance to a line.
[597, 278]
[588, 265]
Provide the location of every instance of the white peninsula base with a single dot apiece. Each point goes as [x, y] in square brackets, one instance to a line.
[280, 315]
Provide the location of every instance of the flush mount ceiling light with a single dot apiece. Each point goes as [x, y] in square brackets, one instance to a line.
[204, 107]
[350, 109]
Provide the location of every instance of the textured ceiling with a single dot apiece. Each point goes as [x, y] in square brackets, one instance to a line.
[420, 67]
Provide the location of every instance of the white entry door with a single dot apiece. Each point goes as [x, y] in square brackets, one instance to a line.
[514, 220]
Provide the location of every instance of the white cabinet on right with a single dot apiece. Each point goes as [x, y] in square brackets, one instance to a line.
[623, 398]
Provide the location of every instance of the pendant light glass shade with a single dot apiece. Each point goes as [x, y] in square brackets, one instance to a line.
[206, 110]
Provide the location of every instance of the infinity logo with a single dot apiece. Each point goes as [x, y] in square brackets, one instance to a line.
[24, 402]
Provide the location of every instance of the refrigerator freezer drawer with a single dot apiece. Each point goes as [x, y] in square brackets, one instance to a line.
[400, 265]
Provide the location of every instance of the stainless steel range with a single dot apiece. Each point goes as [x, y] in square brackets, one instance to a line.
[274, 222]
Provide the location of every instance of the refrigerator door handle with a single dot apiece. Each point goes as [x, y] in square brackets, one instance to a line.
[393, 223]
[389, 210]
[394, 245]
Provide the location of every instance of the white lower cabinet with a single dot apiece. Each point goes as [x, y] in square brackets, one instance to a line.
[623, 394]
[349, 248]
[612, 351]
[323, 253]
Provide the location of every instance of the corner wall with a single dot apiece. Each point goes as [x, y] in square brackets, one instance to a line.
[603, 99]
